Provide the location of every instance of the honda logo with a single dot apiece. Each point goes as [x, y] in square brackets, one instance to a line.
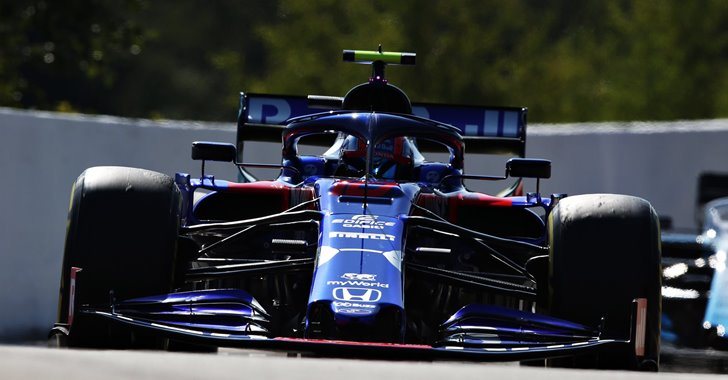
[357, 294]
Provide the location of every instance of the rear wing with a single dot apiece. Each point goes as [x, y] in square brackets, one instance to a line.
[489, 130]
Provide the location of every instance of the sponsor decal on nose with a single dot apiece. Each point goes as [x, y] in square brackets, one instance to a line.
[361, 235]
[357, 294]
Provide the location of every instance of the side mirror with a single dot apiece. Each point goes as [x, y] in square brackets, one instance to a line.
[528, 168]
[213, 151]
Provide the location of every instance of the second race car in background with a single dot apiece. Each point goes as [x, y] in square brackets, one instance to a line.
[695, 280]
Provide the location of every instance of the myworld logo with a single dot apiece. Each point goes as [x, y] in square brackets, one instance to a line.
[358, 283]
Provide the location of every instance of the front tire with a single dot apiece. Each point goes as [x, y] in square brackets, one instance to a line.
[122, 232]
[604, 253]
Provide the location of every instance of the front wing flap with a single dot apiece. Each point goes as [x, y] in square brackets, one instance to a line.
[449, 350]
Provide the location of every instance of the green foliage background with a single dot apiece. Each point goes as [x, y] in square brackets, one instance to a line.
[568, 61]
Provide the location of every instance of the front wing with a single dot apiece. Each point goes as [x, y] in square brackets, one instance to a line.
[451, 350]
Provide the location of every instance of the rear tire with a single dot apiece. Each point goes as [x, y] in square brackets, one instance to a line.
[122, 232]
[604, 253]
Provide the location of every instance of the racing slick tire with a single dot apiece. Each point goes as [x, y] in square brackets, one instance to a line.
[122, 233]
[605, 252]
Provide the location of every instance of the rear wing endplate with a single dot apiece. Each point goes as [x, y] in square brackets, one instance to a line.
[489, 130]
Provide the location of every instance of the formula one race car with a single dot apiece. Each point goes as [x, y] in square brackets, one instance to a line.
[369, 249]
[695, 291]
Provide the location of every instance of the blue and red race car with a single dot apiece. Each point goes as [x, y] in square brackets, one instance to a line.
[367, 249]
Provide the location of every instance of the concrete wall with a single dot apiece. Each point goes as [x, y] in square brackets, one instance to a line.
[660, 162]
[42, 153]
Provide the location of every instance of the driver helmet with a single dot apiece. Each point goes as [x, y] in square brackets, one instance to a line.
[392, 158]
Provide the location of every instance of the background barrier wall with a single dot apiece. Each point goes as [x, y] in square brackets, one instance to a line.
[42, 154]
